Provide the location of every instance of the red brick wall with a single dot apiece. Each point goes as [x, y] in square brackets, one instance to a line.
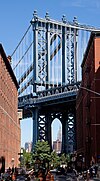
[79, 116]
[90, 102]
[9, 123]
[97, 99]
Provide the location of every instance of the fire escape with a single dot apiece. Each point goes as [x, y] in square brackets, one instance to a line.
[88, 116]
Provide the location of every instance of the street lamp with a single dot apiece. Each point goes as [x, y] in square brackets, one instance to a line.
[12, 162]
[0, 164]
[21, 157]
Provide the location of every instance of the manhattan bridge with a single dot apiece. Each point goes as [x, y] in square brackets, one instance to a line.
[47, 64]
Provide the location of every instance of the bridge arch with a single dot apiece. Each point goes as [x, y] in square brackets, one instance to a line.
[56, 131]
[55, 58]
[53, 35]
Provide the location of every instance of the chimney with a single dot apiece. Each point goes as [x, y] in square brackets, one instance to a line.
[9, 58]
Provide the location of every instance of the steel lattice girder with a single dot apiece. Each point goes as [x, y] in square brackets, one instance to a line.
[70, 132]
[68, 123]
[49, 43]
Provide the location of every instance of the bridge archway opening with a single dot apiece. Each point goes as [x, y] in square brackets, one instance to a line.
[26, 131]
[55, 59]
[56, 130]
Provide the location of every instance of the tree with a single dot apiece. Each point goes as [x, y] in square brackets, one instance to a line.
[55, 160]
[68, 158]
[42, 157]
[63, 159]
[27, 158]
[42, 152]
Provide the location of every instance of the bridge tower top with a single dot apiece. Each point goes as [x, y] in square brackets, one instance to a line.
[74, 24]
[50, 53]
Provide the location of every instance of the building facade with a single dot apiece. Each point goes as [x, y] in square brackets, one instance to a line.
[9, 122]
[28, 146]
[88, 103]
[59, 134]
[58, 143]
[57, 146]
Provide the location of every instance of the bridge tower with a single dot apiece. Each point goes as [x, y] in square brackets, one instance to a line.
[55, 44]
[49, 77]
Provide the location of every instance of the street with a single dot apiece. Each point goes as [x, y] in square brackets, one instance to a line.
[71, 178]
[65, 177]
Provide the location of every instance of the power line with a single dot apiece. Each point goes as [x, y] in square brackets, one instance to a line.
[97, 93]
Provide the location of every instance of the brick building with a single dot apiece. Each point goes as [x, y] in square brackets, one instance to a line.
[57, 146]
[28, 146]
[88, 103]
[9, 121]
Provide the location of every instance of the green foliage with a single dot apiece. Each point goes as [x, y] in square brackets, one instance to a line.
[42, 151]
[63, 159]
[68, 158]
[42, 154]
[55, 160]
[27, 159]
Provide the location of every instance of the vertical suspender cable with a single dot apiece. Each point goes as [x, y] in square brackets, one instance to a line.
[60, 58]
[52, 56]
[57, 56]
[75, 55]
[48, 49]
[45, 51]
[53, 68]
[41, 61]
[65, 55]
[24, 61]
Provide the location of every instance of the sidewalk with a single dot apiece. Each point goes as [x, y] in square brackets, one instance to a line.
[96, 178]
[93, 179]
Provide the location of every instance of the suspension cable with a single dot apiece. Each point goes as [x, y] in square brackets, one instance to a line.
[21, 40]
[23, 56]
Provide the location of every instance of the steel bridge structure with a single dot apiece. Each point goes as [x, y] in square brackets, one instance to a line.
[47, 64]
